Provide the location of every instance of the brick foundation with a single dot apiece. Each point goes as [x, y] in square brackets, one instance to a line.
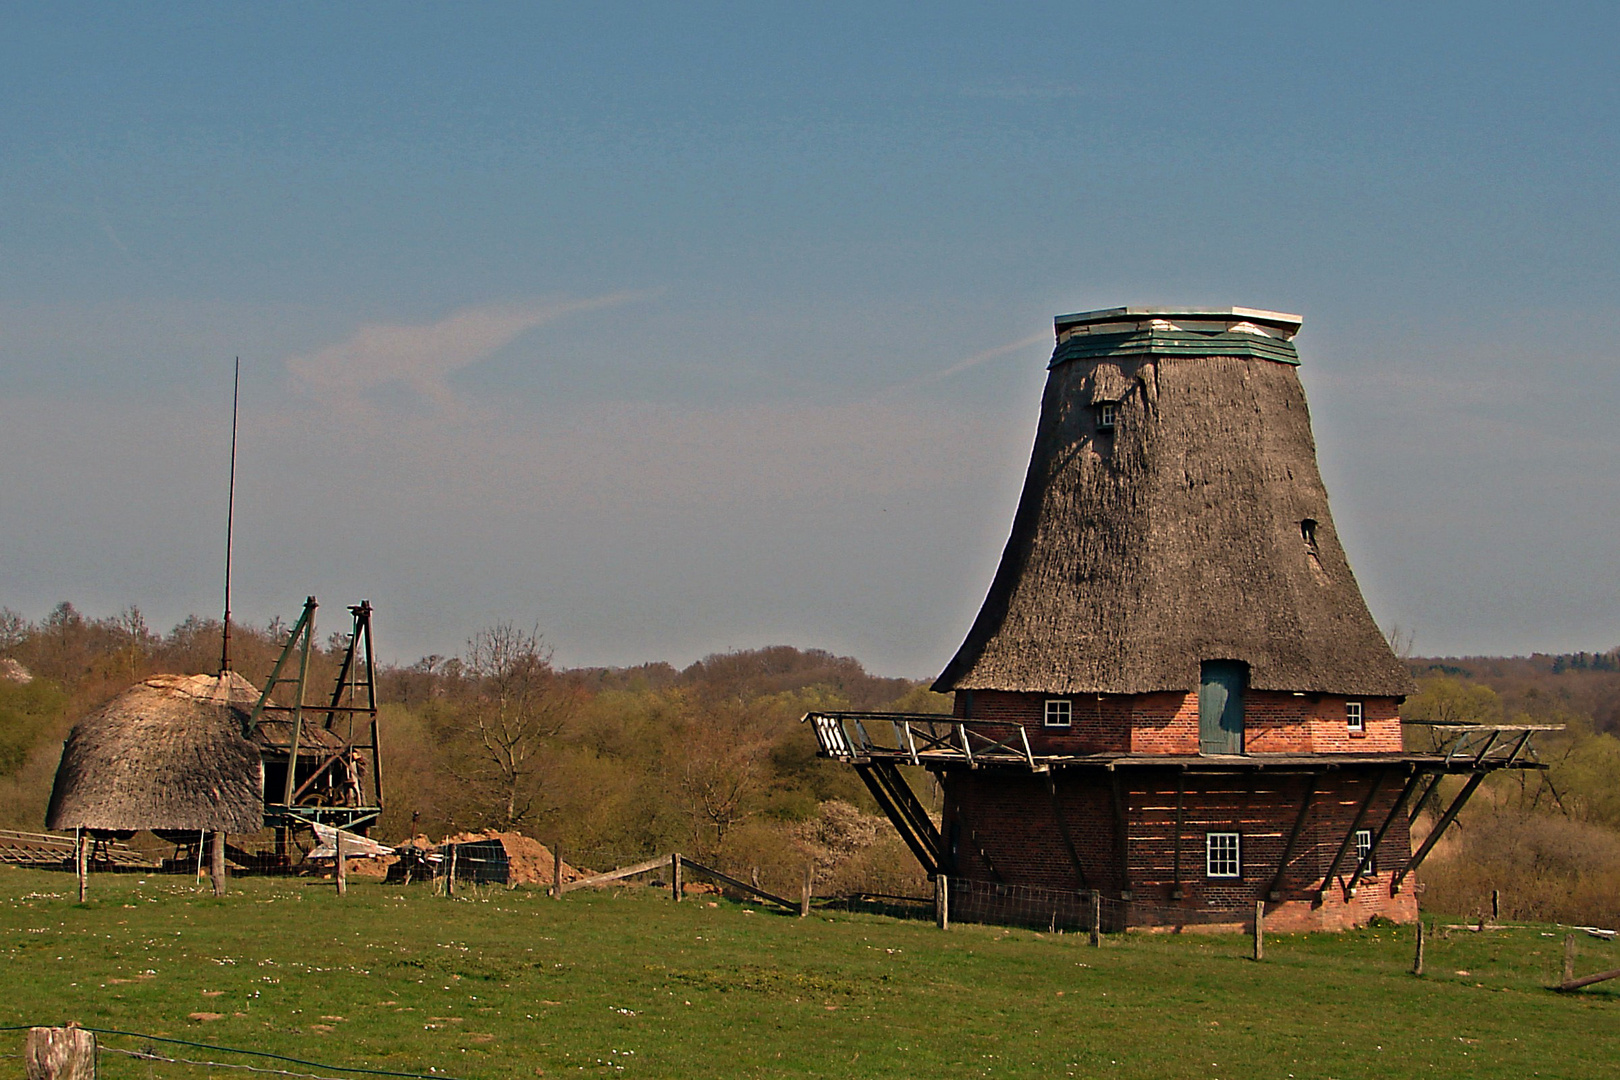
[1004, 825]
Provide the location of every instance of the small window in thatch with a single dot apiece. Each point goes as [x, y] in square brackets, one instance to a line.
[1353, 717]
[1059, 712]
[1107, 415]
[1223, 855]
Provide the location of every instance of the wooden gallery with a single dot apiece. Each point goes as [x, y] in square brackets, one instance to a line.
[1174, 699]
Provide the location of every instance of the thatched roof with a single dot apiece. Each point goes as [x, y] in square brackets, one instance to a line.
[167, 753]
[1179, 536]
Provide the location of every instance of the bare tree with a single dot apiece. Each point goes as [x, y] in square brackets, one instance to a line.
[721, 767]
[513, 705]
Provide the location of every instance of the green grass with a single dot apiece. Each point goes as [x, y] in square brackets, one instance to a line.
[513, 984]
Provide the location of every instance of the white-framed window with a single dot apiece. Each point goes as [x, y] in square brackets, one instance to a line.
[1353, 718]
[1107, 415]
[1223, 855]
[1364, 845]
[1059, 712]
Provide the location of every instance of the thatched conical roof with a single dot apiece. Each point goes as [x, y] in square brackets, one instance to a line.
[167, 753]
[1196, 529]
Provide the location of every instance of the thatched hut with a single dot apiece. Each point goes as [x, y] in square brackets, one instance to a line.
[166, 754]
[1174, 694]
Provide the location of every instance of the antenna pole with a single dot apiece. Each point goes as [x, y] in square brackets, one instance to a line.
[230, 522]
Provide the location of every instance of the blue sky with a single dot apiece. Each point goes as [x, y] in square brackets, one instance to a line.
[675, 329]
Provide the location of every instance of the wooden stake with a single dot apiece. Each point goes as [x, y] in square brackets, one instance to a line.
[60, 1054]
[942, 901]
[216, 862]
[341, 847]
[1417, 956]
[556, 870]
[81, 865]
[675, 875]
[1259, 929]
[1096, 917]
[1569, 959]
[804, 896]
[450, 878]
[1496, 905]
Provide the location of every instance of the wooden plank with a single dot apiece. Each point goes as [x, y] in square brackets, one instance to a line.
[1588, 980]
[737, 883]
[615, 875]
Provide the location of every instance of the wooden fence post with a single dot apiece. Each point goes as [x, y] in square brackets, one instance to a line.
[1496, 905]
[1569, 958]
[942, 901]
[81, 864]
[809, 882]
[1417, 956]
[1096, 917]
[556, 870]
[450, 878]
[216, 862]
[675, 875]
[1259, 929]
[341, 849]
[60, 1054]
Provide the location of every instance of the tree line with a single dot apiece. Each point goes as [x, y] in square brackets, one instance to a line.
[613, 764]
[619, 763]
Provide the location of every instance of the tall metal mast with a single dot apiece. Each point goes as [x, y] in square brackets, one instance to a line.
[230, 522]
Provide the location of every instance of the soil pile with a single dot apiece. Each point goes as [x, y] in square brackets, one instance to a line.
[530, 861]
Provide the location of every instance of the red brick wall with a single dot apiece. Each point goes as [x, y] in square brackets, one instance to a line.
[1005, 827]
[1275, 722]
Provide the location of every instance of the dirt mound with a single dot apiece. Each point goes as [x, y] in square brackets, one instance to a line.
[530, 861]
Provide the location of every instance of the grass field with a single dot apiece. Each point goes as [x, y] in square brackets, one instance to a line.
[514, 984]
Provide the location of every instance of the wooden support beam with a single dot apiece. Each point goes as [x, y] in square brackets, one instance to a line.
[1365, 863]
[1429, 789]
[1350, 834]
[1274, 890]
[1176, 892]
[1122, 833]
[1063, 830]
[905, 811]
[1434, 835]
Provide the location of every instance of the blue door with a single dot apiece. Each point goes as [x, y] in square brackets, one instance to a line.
[1220, 706]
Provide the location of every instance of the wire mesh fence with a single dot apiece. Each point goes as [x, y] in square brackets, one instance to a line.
[509, 859]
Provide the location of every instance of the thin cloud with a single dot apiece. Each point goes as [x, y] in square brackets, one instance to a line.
[422, 357]
[963, 365]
